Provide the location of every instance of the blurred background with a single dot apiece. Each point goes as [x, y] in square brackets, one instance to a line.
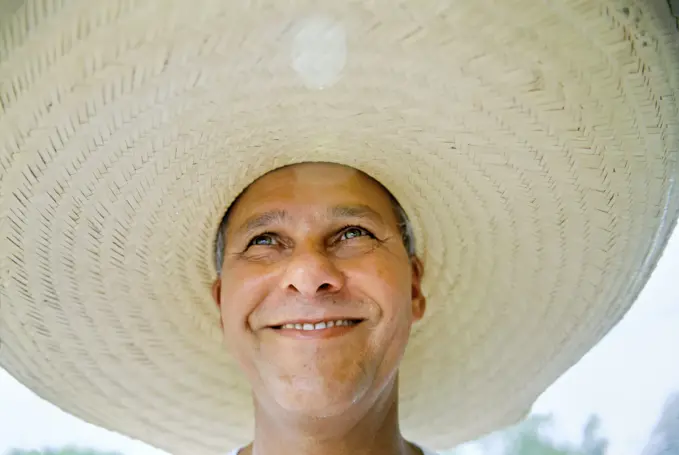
[620, 399]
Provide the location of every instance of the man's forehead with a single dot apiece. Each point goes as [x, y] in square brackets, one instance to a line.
[321, 190]
[314, 183]
[311, 174]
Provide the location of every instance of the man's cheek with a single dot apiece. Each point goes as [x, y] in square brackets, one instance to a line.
[394, 328]
[231, 337]
[238, 346]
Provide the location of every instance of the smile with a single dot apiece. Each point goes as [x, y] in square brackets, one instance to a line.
[320, 325]
[323, 329]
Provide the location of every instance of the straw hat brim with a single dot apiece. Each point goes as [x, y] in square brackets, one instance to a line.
[533, 145]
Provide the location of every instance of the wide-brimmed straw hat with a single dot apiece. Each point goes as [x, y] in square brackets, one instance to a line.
[533, 145]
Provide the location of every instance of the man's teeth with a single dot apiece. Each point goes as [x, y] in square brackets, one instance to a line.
[318, 325]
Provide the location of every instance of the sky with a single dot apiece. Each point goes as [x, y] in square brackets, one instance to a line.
[625, 379]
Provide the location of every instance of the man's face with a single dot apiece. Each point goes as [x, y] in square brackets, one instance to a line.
[317, 243]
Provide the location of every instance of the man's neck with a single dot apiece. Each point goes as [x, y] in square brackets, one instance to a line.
[375, 432]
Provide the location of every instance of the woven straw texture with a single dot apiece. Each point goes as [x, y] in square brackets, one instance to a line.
[533, 144]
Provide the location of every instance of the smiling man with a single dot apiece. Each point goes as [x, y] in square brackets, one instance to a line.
[318, 290]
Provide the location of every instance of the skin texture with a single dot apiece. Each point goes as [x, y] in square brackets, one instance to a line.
[334, 395]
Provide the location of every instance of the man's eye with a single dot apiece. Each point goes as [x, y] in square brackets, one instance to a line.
[354, 232]
[263, 239]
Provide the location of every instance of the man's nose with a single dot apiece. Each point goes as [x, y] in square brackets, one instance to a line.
[311, 272]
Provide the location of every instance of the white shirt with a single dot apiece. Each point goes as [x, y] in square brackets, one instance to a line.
[424, 451]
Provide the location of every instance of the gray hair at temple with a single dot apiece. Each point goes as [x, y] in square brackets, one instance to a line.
[404, 225]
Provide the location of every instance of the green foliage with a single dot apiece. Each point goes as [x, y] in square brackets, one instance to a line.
[664, 439]
[531, 437]
[530, 440]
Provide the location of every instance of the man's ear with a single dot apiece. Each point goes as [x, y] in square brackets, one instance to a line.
[419, 302]
[217, 297]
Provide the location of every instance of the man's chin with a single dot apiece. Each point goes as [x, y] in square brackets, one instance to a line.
[318, 408]
[329, 400]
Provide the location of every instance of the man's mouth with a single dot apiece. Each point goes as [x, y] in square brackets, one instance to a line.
[322, 325]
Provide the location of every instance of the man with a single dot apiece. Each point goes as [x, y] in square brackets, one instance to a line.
[318, 290]
[462, 197]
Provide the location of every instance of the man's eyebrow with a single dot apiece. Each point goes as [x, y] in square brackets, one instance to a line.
[262, 220]
[354, 211]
